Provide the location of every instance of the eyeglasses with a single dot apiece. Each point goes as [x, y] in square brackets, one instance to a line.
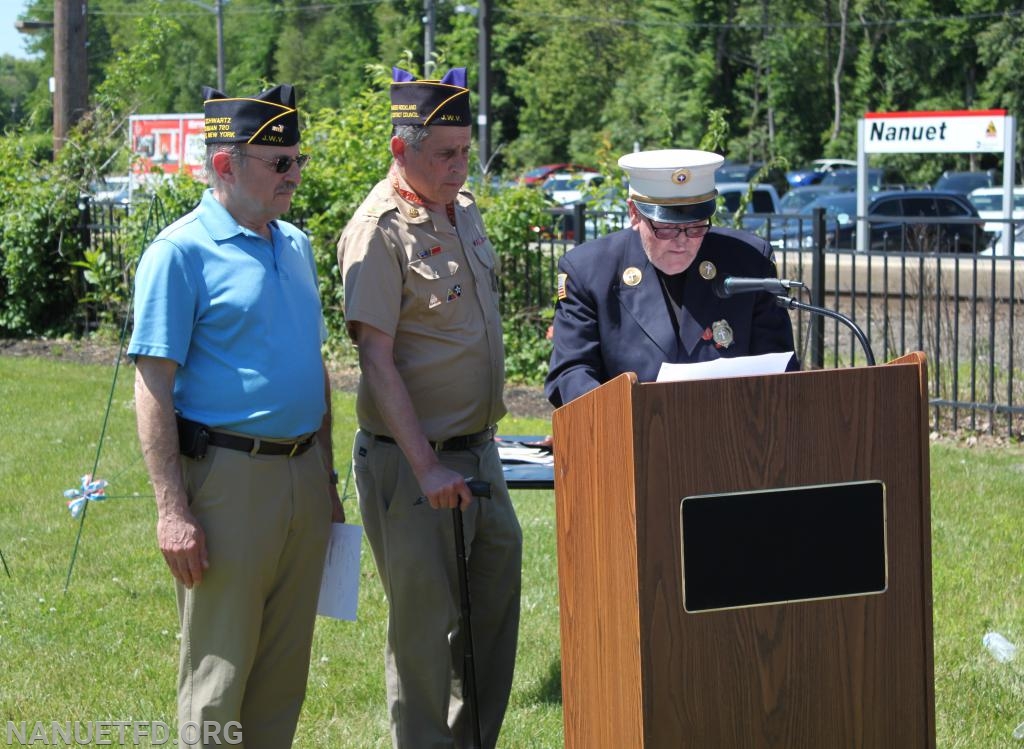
[283, 164]
[672, 232]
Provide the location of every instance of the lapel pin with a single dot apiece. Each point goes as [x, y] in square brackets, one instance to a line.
[631, 276]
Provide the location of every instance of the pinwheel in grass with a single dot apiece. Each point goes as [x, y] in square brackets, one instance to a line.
[90, 491]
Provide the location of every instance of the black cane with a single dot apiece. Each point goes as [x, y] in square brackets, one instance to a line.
[479, 489]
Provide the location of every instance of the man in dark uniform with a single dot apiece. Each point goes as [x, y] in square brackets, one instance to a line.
[637, 298]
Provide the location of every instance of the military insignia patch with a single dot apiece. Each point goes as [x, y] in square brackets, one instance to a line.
[708, 270]
[454, 293]
[721, 332]
[632, 276]
[434, 302]
[422, 254]
[561, 290]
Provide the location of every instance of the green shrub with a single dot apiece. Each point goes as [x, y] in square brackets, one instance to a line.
[40, 236]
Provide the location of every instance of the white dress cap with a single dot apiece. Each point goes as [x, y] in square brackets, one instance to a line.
[679, 178]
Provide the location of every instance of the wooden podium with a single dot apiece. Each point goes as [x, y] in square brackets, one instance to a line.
[850, 667]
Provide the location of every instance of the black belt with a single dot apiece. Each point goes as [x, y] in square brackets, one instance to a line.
[194, 438]
[258, 446]
[462, 442]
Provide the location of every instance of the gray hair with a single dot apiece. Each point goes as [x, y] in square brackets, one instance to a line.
[412, 135]
[234, 150]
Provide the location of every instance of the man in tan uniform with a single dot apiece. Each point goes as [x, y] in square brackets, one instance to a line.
[421, 303]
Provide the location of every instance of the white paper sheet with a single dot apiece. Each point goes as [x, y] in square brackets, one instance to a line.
[738, 366]
[519, 452]
[339, 586]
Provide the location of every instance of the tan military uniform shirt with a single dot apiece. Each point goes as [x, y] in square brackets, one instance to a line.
[433, 287]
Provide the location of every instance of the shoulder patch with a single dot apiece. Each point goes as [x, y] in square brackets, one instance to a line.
[562, 285]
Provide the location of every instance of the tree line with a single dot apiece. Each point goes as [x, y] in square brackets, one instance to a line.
[581, 80]
[571, 81]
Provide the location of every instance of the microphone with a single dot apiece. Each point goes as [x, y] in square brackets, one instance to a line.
[732, 285]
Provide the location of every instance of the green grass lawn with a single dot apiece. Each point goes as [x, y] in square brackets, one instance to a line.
[107, 648]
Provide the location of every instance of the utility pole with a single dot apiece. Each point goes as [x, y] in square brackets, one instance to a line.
[484, 83]
[218, 10]
[220, 45]
[429, 24]
[70, 74]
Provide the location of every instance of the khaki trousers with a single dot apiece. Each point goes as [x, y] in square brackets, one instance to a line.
[414, 549]
[247, 628]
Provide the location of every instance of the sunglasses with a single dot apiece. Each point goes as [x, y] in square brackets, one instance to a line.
[671, 232]
[283, 164]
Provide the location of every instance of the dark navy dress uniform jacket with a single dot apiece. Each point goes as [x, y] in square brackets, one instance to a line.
[604, 327]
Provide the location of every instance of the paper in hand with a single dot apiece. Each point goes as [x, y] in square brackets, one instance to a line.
[339, 586]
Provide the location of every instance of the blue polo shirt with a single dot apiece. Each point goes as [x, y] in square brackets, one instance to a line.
[242, 318]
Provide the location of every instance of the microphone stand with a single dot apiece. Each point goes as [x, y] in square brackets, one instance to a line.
[790, 303]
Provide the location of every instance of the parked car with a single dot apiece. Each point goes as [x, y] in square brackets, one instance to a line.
[732, 171]
[110, 190]
[480, 183]
[565, 188]
[764, 202]
[995, 249]
[989, 203]
[964, 182]
[797, 197]
[604, 210]
[535, 177]
[891, 217]
[814, 172]
[846, 179]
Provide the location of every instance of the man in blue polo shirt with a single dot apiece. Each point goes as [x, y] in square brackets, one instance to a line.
[233, 406]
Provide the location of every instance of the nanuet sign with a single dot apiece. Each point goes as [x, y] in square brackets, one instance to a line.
[935, 132]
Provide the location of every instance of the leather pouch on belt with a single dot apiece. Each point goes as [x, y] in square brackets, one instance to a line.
[193, 438]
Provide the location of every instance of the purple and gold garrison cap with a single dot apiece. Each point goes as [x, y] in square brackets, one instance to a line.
[266, 119]
[430, 102]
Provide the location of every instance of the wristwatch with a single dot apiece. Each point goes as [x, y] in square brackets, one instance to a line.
[333, 477]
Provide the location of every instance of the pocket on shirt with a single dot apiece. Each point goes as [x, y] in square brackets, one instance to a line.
[435, 282]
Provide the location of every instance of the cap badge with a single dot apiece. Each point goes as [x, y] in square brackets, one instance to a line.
[631, 276]
[708, 270]
[721, 332]
[681, 176]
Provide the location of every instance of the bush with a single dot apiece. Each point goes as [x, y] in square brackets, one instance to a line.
[40, 236]
[53, 280]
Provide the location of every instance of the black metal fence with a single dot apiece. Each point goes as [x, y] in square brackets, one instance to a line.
[964, 310]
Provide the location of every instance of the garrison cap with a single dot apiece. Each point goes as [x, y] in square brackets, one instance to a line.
[266, 119]
[430, 102]
[673, 186]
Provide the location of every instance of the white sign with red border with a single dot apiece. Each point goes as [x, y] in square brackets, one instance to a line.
[979, 131]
